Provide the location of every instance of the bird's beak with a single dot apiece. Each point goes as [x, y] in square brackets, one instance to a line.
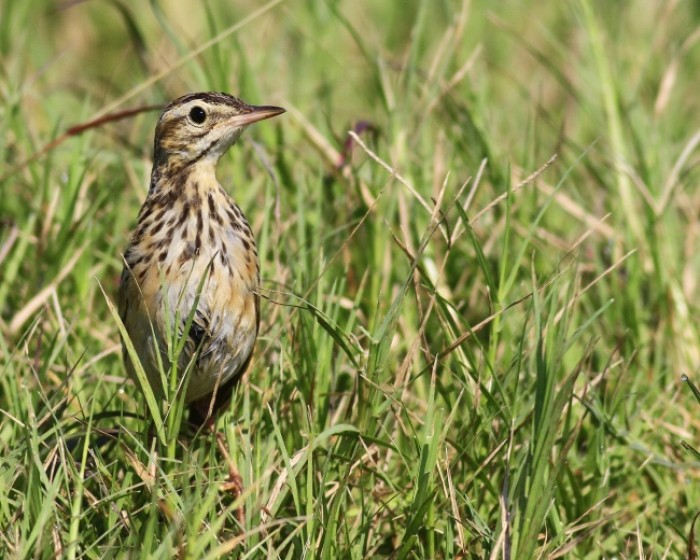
[257, 114]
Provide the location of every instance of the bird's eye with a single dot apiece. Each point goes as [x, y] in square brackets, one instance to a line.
[198, 115]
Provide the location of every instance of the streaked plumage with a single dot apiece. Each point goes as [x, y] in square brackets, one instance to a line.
[188, 224]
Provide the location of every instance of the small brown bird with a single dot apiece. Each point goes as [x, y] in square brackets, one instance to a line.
[193, 246]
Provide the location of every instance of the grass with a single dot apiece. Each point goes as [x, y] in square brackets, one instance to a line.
[470, 348]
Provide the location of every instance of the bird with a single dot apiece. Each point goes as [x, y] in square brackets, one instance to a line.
[192, 262]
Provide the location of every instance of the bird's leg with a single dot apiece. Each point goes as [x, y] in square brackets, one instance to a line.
[235, 481]
[201, 415]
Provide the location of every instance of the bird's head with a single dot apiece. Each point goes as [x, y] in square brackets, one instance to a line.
[202, 126]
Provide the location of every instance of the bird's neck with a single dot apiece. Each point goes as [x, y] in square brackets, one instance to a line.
[172, 178]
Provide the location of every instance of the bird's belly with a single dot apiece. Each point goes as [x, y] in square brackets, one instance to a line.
[224, 329]
[223, 358]
[225, 315]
